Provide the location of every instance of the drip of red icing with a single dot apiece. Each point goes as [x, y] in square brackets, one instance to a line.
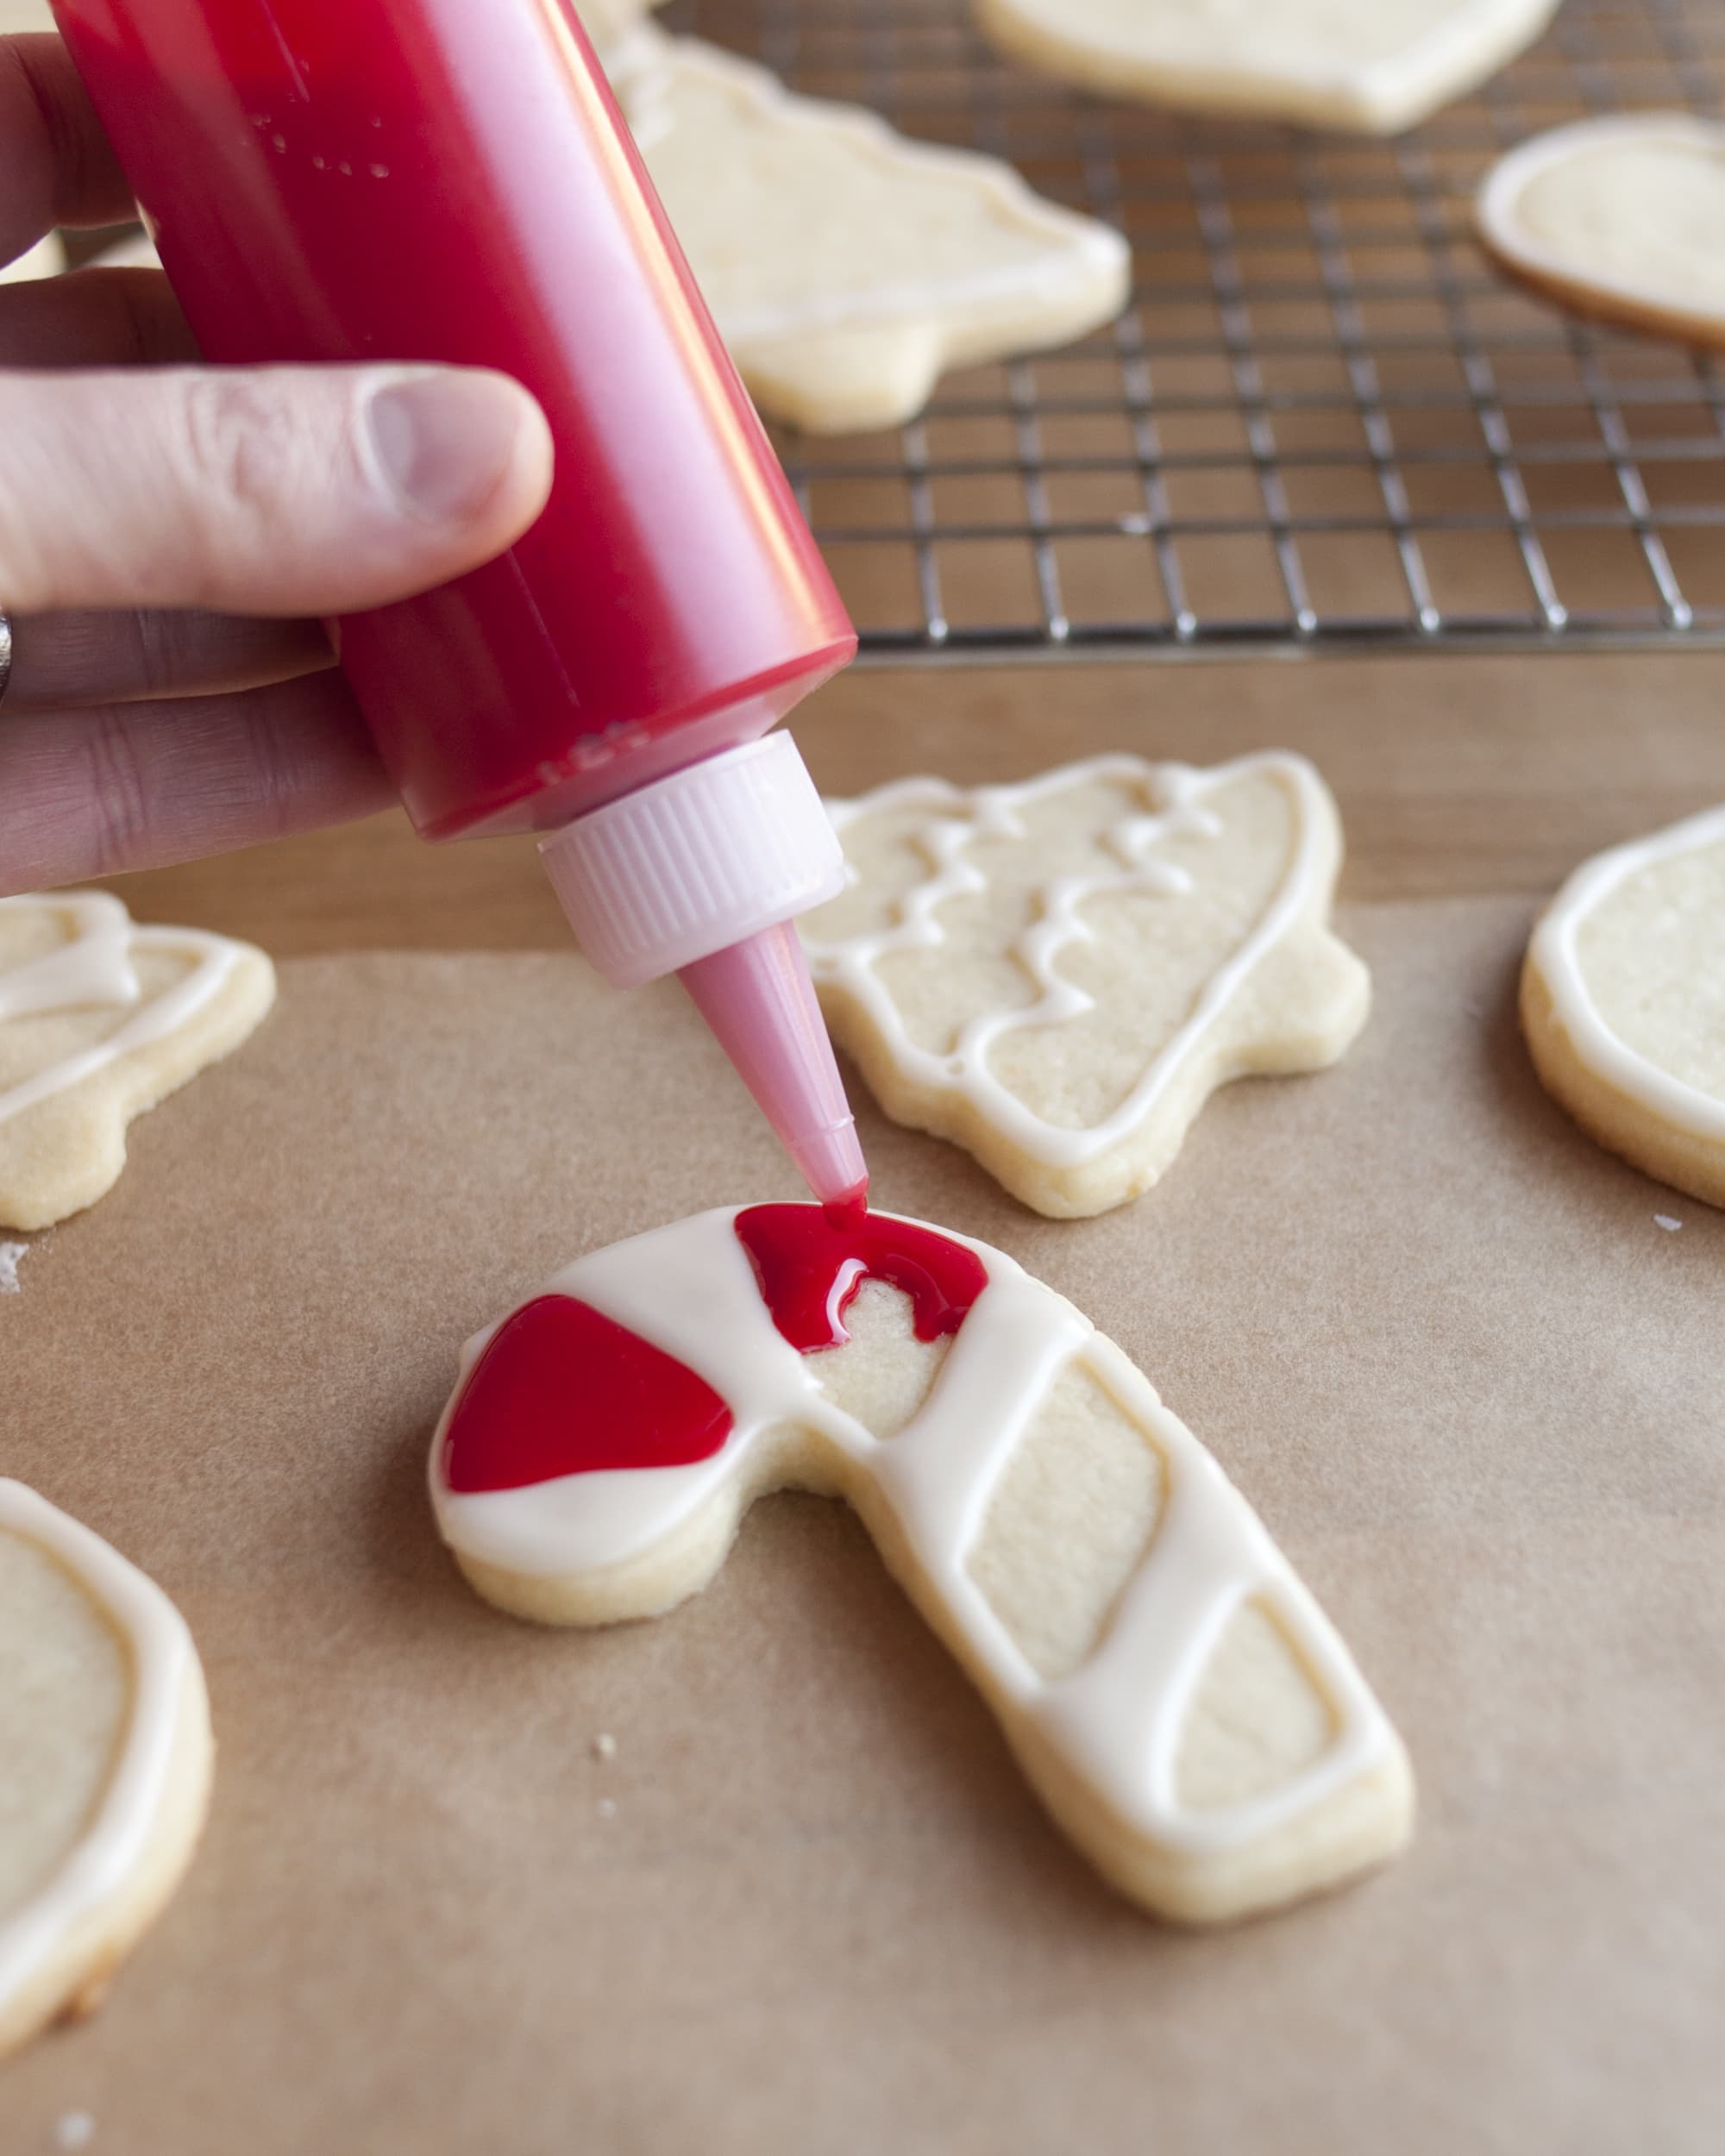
[561, 1390]
[799, 1253]
[851, 1210]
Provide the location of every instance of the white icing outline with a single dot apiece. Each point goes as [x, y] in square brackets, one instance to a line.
[1455, 52]
[1557, 956]
[1116, 1721]
[992, 811]
[93, 968]
[158, 1648]
[1497, 205]
[1081, 249]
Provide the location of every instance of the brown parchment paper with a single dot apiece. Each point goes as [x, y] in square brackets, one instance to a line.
[1476, 1391]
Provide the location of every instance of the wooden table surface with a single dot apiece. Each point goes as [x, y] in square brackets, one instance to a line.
[1456, 775]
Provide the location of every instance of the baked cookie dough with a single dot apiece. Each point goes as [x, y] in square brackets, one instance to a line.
[1623, 1003]
[104, 1761]
[847, 267]
[101, 1018]
[609, 23]
[1617, 218]
[1373, 66]
[1056, 975]
[1173, 1692]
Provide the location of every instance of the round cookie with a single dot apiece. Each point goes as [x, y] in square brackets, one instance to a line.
[1617, 218]
[1623, 1002]
[105, 1756]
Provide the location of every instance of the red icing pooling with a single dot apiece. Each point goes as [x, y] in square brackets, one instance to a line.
[799, 1253]
[561, 1390]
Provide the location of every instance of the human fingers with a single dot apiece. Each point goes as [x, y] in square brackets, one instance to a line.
[138, 786]
[94, 318]
[313, 490]
[60, 661]
[56, 167]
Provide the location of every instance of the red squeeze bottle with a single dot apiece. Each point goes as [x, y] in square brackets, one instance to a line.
[451, 180]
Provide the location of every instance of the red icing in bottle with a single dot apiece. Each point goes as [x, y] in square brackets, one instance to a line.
[799, 1253]
[562, 1391]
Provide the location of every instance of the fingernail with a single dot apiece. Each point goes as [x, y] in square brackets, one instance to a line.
[444, 441]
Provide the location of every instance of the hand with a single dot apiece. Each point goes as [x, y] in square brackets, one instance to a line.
[166, 529]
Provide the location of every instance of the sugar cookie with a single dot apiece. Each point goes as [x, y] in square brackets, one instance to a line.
[1172, 1690]
[1619, 217]
[1623, 1002]
[846, 265]
[104, 1761]
[1056, 975]
[609, 23]
[1374, 67]
[101, 1018]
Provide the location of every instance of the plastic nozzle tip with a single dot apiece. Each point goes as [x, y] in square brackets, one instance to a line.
[757, 997]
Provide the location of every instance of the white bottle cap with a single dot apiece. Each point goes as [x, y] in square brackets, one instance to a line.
[696, 861]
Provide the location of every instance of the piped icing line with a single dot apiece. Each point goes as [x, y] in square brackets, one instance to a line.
[1116, 1721]
[159, 1651]
[94, 968]
[1556, 954]
[1079, 249]
[848, 963]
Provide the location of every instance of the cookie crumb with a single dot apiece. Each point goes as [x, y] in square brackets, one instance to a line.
[10, 1256]
[73, 2129]
[605, 1746]
[1665, 1220]
[607, 1807]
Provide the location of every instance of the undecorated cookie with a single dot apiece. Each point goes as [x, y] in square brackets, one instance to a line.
[1623, 1002]
[1617, 218]
[99, 1020]
[104, 1761]
[1374, 67]
[1173, 1692]
[1057, 975]
[846, 266]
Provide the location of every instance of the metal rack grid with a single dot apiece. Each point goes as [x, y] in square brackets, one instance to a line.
[1324, 419]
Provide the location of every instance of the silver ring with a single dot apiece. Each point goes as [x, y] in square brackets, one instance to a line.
[5, 653]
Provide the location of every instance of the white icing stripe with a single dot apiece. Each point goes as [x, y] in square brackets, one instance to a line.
[160, 1651]
[1117, 1720]
[848, 963]
[1078, 249]
[1557, 956]
[94, 968]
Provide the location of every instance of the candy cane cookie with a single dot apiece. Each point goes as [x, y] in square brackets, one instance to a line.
[1173, 1693]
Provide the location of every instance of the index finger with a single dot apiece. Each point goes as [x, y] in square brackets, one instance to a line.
[56, 167]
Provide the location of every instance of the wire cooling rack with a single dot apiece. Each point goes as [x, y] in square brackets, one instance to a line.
[1323, 420]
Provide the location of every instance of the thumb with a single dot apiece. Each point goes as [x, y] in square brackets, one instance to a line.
[313, 490]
